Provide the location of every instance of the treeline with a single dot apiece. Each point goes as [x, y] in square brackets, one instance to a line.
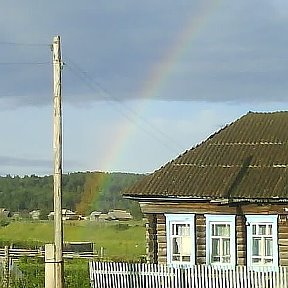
[82, 191]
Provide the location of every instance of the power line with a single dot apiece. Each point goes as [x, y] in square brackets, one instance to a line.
[23, 44]
[126, 111]
[25, 63]
[4, 43]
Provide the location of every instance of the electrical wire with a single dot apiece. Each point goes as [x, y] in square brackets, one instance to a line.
[23, 44]
[126, 111]
[24, 63]
[96, 87]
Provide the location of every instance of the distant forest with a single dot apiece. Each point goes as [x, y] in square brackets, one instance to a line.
[82, 192]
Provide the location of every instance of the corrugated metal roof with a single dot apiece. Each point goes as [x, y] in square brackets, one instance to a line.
[247, 159]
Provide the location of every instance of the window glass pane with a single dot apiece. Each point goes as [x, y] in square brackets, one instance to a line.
[215, 259]
[213, 230]
[175, 247]
[182, 245]
[256, 260]
[226, 259]
[173, 229]
[185, 230]
[268, 247]
[181, 229]
[226, 247]
[185, 245]
[186, 258]
[227, 230]
[176, 258]
[268, 261]
[262, 229]
[220, 230]
[177, 229]
[269, 229]
[254, 230]
[215, 247]
[216, 230]
[256, 246]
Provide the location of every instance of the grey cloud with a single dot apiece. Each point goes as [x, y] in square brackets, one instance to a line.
[23, 162]
[16, 165]
[238, 51]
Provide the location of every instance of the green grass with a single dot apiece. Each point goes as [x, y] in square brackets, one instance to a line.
[122, 241]
[32, 275]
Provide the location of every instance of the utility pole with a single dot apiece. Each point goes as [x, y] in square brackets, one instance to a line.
[57, 148]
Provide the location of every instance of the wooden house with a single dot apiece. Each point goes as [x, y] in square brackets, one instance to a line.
[223, 202]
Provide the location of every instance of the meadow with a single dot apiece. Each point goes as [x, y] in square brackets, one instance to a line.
[119, 240]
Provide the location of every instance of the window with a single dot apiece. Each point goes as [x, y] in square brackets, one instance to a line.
[220, 239]
[180, 239]
[262, 249]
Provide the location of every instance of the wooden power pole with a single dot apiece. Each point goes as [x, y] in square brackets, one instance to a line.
[57, 148]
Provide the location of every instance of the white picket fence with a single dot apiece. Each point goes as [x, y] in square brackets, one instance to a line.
[125, 275]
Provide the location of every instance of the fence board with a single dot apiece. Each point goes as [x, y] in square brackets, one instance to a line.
[17, 253]
[128, 275]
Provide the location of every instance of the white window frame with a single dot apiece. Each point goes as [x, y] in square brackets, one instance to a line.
[172, 219]
[258, 220]
[220, 219]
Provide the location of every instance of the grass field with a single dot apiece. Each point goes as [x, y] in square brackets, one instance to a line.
[120, 240]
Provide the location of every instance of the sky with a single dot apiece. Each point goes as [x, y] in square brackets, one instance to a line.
[143, 81]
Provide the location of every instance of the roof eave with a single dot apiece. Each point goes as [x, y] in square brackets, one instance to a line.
[221, 201]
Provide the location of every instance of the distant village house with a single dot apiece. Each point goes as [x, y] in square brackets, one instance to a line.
[35, 214]
[66, 215]
[112, 215]
[4, 212]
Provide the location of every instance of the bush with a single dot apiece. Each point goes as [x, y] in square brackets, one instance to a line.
[32, 271]
[4, 221]
[121, 226]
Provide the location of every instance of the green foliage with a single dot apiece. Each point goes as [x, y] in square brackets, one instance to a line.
[22, 244]
[76, 273]
[121, 226]
[32, 273]
[83, 192]
[4, 221]
[119, 241]
[109, 195]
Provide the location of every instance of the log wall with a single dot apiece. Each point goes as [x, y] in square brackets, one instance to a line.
[156, 228]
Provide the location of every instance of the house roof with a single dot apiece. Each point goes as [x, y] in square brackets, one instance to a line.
[247, 159]
[119, 214]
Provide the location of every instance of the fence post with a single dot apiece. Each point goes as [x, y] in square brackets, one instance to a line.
[50, 266]
[6, 278]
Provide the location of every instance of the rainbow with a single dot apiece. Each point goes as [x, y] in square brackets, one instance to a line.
[158, 77]
[161, 71]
